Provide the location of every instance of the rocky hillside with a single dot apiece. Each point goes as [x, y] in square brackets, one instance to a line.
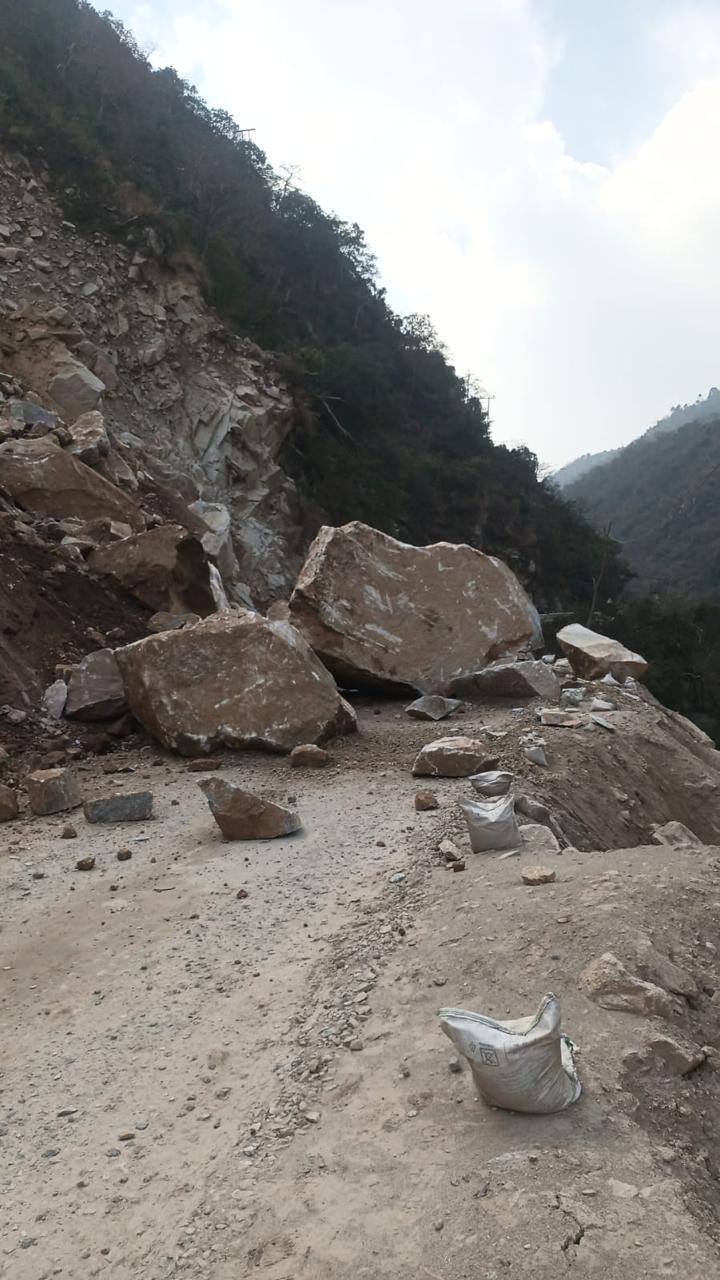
[660, 496]
[179, 205]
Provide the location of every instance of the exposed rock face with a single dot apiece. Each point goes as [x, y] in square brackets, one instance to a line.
[593, 655]
[95, 688]
[609, 984]
[52, 791]
[510, 680]
[243, 816]
[45, 479]
[432, 707]
[387, 615]
[452, 758]
[165, 568]
[234, 679]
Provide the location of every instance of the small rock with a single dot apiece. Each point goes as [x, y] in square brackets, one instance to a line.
[432, 707]
[126, 1135]
[203, 764]
[458, 866]
[134, 806]
[68, 832]
[85, 864]
[38, 875]
[124, 855]
[449, 851]
[537, 875]
[425, 800]
[242, 894]
[241, 815]
[621, 1190]
[308, 756]
[52, 791]
[312, 1117]
[455, 1066]
[54, 699]
[356, 1046]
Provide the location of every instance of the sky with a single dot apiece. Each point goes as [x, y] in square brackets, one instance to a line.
[539, 176]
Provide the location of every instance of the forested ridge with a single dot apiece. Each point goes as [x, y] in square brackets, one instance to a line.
[386, 429]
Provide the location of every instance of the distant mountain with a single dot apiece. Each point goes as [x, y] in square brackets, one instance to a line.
[679, 416]
[573, 471]
[660, 494]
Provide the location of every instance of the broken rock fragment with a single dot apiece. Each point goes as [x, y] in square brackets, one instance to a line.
[527, 679]
[593, 655]
[425, 800]
[241, 815]
[432, 707]
[95, 688]
[537, 875]
[52, 791]
[165, 568]
[385, 615]
[452, 758]
[608, 983]
[90, 440]
[134, 806]
[676, 835]
[43, 478]
[678, 1055]
[235, 679]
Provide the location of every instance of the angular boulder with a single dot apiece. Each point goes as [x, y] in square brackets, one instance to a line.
[242, 816]
[608, 983]
[43, 478]
[75, 389]
[432, 707]
[676, 836]
[95, 688]
[592, 655]
[90, 440]
[452, 758]
[234, 679]
[9, 807]
[52, 791]
[165, 568]
[526, 679]
[385, 615]
[132, 806]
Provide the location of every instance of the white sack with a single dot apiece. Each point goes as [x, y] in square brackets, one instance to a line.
[491, 823]
[494, 782]
[525, 1065]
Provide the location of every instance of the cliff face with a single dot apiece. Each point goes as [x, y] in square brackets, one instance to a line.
[191, 410]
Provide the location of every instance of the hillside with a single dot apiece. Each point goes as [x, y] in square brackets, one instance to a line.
[660, 495]
[681, 415]
[381, 427]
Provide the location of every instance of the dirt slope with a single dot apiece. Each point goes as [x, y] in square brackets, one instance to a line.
[146, 998]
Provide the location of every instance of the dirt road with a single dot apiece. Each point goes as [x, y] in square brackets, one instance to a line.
[200, 1084]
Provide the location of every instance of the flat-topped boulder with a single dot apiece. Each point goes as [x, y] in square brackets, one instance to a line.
[236, 680]
[592, 655]
[385, 615]
[42, 477]
[525, 679]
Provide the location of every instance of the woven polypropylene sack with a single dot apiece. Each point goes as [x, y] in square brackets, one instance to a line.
[491, 823]
[525, 1065]
[494, 782]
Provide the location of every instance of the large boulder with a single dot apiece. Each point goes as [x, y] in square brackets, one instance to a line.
[527, 679]
[385, 615]
[593, 655]
[43, 478]
[235, 679]
[453, 758]
[166, 568]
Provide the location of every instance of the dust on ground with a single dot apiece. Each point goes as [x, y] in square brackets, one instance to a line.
[196, 1083]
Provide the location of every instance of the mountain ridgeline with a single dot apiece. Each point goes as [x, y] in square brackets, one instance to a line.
[385, 430]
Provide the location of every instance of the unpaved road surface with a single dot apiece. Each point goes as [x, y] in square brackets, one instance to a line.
[200, 1084]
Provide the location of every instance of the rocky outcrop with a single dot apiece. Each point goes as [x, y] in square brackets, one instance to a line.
[166, 568]
[47, 480]
[385, 615]
[233, 680]
[593, 655]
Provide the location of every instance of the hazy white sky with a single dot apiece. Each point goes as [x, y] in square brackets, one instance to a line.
[541, 176]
